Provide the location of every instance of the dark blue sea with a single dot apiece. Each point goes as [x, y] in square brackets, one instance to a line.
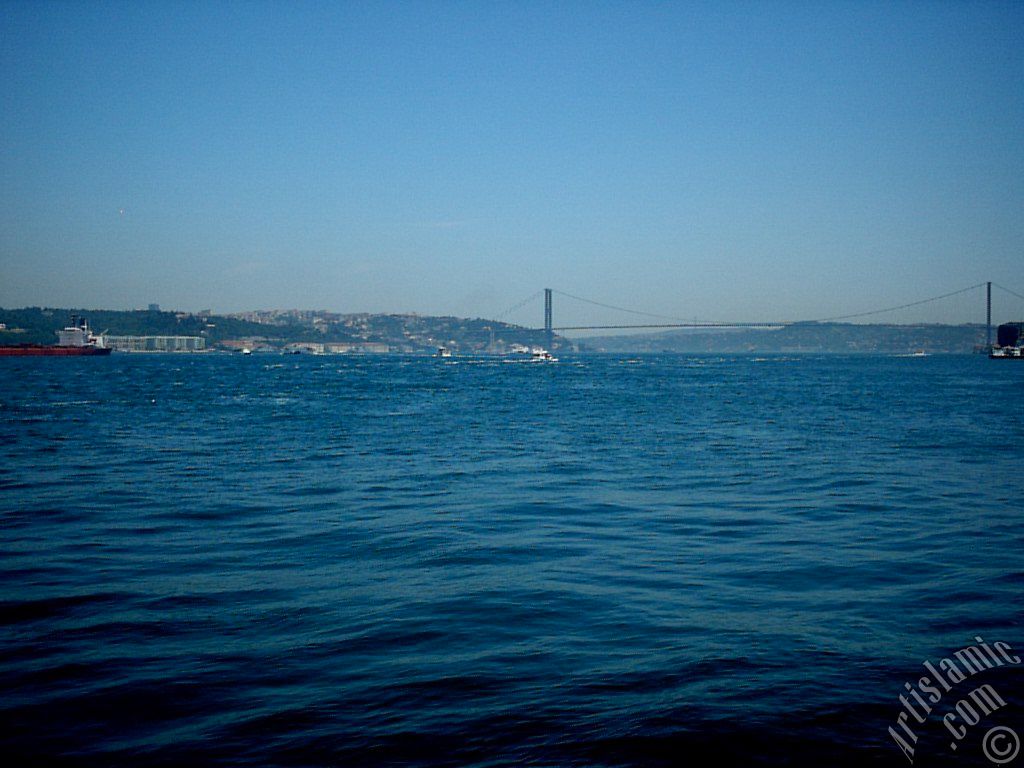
[605, 561]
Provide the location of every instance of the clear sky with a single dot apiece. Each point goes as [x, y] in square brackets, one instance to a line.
[717, 160]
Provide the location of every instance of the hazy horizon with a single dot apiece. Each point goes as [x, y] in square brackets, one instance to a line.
[716, 161]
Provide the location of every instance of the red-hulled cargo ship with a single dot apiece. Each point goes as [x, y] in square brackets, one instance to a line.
[75, 340]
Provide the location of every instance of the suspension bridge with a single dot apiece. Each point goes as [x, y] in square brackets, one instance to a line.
[665, 322]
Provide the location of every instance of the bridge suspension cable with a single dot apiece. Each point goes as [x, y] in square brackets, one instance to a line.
[518, 305]
[681, 323]
[901, 306]
[1004, 288]
[620, 309]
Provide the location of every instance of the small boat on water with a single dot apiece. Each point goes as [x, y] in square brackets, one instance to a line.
[443, 352]
[524, 354]
[76, 340]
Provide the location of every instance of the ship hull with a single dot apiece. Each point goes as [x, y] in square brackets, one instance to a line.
[34, 350]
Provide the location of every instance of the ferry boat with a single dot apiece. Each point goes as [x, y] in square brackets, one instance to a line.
[444, 352]
[1006, 353]
[76, 340]
[1008, 344]
[540, 355]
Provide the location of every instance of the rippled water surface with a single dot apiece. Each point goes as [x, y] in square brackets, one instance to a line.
[605, 561]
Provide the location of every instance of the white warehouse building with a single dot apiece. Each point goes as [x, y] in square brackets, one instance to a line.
[156, 343]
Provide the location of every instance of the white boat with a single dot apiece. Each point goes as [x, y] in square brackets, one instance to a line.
[523, 354]
[444, 352]
[1006, 353]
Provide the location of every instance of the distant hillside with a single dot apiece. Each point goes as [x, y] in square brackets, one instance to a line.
[402, 333]
[39, 325]
[804, 337]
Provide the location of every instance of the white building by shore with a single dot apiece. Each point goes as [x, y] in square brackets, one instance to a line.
[156, 343]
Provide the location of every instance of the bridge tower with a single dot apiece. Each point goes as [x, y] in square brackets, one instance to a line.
[988, 328]
[548, 333]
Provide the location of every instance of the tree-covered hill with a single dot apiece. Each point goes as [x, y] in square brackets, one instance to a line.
[40, 325]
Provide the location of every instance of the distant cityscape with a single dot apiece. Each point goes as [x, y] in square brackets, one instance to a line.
[323, 332]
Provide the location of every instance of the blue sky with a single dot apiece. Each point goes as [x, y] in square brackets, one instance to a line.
[713, 160]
